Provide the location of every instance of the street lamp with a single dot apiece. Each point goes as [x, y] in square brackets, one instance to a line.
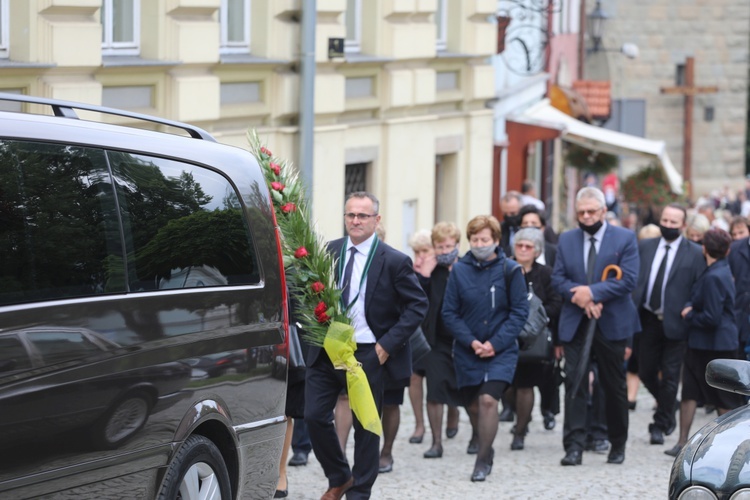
[596, 25]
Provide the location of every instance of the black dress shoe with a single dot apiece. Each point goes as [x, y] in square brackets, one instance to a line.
[451, 433]
[281, 494]
[616, 455]
[473, 447]
[572, 457]
[416, 439]
[549, 420]
[506, 415]
[434, 452]
[657, 437]
[481, 471]
[517, 443]
[631, 405]
[299, 458]
[597, 446]
[674, 451]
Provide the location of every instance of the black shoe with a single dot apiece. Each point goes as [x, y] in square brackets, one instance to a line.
[572, 457]
[481, 471]
[281, 494]
[434, 452]
[416, 439]
[674, 451]
[299, 458]
[383, 469]
[473, 447]
[451, 433]
[517, 443]
[506, 415]
[673, 421]
[631, 405]
[657, 436]
[616, 455]
[709, 409]
[549, 420]
[597, 446]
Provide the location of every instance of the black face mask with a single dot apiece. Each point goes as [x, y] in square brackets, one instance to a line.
[513, 220]
[669, 233]
[591, 229]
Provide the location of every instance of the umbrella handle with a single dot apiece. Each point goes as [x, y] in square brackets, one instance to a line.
[612, 267]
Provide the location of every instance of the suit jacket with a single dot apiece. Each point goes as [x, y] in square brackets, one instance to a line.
[711, 321]
[619, 320]
[687, 266]
[739, 263]
[550, 254]
[395, 306]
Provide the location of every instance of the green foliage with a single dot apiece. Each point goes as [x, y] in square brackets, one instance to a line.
[589, 160]
[649, 187]
[304, 275]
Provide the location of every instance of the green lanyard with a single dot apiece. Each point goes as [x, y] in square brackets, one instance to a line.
[370, 256]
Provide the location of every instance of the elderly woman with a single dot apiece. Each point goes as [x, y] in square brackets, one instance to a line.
[528, 244]
[712, 334]
[696, 226]
[485, 306]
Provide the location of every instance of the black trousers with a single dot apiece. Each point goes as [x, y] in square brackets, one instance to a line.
[323, 384]
[610, 356]
[657, 354]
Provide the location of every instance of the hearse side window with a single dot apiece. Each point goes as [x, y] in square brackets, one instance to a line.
[57, 233]
[13, 355]
[184, 225]
[57, 347]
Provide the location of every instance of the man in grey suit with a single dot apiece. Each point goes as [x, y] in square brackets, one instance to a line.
[669, 267]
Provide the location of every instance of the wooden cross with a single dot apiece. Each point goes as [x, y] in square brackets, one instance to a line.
[689, 90]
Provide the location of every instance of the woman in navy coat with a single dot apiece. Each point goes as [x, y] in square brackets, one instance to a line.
[712, 334]
[485, 306]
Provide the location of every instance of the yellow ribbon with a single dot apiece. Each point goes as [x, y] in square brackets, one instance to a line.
[340, 346]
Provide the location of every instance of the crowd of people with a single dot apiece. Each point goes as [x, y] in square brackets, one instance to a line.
[624, 308]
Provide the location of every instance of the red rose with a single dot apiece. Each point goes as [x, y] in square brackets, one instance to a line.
[289, 207]
[302, 253]
[265, 151]
[276, 169]
[277, 186]
[323, 318]
[321, 308]
[317, 287]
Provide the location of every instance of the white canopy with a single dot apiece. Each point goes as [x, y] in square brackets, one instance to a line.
[600, 139]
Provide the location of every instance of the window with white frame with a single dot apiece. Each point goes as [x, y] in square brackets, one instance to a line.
[121, 27]
[441, 20]
[234, 17]
[4, 27]
[353, 19]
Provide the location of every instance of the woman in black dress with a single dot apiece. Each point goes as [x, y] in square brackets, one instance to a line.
[527, 245]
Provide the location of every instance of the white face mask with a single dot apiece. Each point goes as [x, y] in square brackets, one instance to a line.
[483, 253]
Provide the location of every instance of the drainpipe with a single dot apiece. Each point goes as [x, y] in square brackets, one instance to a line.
[307, 95]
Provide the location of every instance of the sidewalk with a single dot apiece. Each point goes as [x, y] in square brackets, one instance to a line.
[533, 473]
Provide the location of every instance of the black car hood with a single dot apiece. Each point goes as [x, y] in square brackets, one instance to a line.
[717, 456]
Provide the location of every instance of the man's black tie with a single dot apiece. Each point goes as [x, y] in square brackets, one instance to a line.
[348, 277]
[655, 302]
[591, 262]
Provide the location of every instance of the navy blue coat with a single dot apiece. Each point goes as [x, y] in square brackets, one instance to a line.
[619, 319]
[739, 263]
[711, 323]
[472, 311]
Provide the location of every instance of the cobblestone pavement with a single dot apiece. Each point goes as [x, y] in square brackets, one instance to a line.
[534, 472]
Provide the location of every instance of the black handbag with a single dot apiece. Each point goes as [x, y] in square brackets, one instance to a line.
[536, 323]
[541, 349]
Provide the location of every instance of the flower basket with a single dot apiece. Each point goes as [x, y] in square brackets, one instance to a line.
[588, 160]
[649, 188]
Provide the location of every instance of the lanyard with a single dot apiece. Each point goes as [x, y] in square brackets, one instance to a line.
[366, 270]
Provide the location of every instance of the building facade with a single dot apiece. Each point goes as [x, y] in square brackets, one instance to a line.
[402, 114]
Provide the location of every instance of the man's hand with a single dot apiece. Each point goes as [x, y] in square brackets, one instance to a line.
[382, 355]
[594, 310]
[559, 352]
[426, 265]
[686, 311]
[581, 295]
[628, 353]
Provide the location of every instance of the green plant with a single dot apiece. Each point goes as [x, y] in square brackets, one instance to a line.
[589, 160]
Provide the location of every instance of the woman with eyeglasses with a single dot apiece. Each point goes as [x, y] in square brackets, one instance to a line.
[528, 245]
[485, 316]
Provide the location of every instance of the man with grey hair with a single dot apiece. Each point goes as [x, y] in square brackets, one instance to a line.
[582, 256]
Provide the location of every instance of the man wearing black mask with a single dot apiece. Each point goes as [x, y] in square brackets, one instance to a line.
[669, 267]
[510, 205]
[582, 256]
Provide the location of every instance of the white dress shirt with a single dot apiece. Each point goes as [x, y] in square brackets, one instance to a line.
[673, 246]
[362, 332]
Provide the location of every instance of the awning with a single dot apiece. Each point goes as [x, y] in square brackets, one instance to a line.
[544, 115]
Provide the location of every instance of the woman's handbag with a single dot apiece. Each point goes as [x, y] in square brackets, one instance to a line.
[419, 346]
[536, 323]
[540, 351]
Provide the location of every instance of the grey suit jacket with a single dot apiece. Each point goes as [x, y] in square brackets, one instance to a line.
[688, 265]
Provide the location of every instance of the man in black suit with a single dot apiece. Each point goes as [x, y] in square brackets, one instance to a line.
[386, 306]
[669, 267]
[739, 263]
[510, 205]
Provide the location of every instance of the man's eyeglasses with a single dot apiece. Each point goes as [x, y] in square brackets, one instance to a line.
[591, 211]
[362, 217]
